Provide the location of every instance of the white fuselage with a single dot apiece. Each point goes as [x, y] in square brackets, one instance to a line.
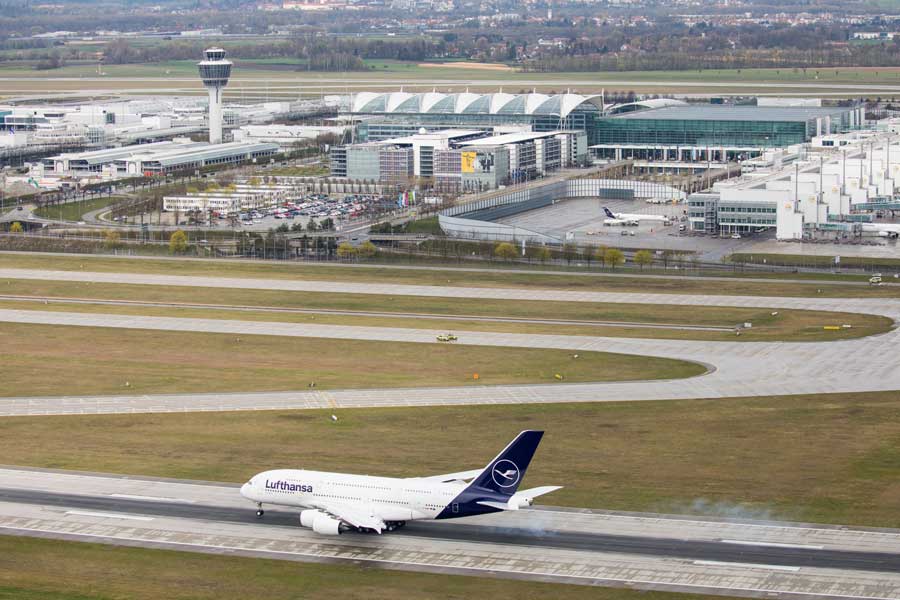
[882, 229]
[622, 222]
[638, 217]
[391, 499]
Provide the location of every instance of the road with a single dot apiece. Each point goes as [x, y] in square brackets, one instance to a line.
[547, 543]
[735, 368]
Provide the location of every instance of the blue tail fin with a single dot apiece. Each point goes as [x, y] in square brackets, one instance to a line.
[505, 472]
[609, 213]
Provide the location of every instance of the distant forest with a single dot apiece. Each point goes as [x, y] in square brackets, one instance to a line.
[344, 40]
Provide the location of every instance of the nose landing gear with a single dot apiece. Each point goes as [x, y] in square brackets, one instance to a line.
[259, 511]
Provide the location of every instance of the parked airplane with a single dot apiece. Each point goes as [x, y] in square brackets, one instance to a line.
[635, 217]
[882, 229]
[335, 502]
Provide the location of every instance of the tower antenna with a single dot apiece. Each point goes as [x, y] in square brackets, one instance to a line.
[215, 72]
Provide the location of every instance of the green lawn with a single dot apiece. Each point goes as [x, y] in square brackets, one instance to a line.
[417, 71]
[38, 569]
[73, 211]
[391, 75]
[821, 458]
[494, 278]
[68, 360]
[821, 262]
[768, 325]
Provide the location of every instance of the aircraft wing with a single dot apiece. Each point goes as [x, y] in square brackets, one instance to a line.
[460, 476]
[358, 515]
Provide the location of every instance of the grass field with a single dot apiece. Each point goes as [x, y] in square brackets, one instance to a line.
[768, 325]
[284, 79]
[498, 278]
[809, 260]
[823, 458]
[52, 360]
[262, 69]
[37, 569]
[73, 211]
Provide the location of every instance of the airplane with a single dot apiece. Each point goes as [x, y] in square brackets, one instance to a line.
[623, 222]
[335, 503]
[633, 217]
[882, 229]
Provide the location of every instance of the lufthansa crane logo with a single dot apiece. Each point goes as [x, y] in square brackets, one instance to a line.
[505, 473]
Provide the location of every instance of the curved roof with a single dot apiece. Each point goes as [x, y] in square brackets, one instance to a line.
[560, 105]
[645, 104]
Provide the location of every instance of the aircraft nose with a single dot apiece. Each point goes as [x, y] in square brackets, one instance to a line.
[245, 490]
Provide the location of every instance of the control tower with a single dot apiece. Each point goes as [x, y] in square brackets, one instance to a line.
[215, 71]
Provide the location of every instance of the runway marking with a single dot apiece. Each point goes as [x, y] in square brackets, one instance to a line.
[151, 498]
[718, 563]
[105, 538]
[773, 544]
[85, 513]
[675, 519]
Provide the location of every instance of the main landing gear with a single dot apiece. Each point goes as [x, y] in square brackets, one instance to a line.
[259, 511]
[392, 525]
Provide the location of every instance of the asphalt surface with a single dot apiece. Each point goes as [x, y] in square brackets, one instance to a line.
[561, 540]
[565, 545]
[735, 369]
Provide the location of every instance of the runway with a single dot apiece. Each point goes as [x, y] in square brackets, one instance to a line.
[364, 313]
[549, 544]
[736, 369]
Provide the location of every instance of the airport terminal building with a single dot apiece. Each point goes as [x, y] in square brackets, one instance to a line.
[660, 129]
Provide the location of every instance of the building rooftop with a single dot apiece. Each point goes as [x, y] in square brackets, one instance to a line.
[499, 103]
[444, 134]
[512, 138]
[207, 152]
[715, 112]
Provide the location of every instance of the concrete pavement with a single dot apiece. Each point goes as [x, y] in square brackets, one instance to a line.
[550, 544]
[737, 368]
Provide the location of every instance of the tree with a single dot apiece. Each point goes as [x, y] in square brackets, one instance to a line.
[600, 254]
[587, 254]
[570, 252]
[367, 249]
[312, 225]
[505, 251]
[543, 254]
[327, 224]
[613, 257]
[643, 258]
[112, 240]
[16, 227]
[178, 243]
[346, 250]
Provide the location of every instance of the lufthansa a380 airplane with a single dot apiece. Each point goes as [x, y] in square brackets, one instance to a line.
[336, 502]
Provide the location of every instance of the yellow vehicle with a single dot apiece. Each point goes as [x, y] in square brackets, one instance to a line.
[447, 337]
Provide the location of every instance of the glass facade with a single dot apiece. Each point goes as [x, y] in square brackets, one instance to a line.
[677, 132]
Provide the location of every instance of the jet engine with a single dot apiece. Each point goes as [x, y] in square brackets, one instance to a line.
[325, 525]
[307, 517]
[521, 501]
